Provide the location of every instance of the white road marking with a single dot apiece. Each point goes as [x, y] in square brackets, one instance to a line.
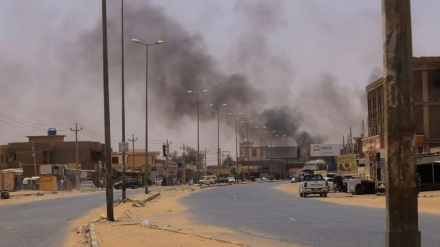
[292, 219]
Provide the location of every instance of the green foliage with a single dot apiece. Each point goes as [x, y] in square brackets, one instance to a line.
[188, 157]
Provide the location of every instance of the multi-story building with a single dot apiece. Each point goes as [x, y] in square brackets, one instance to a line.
[426, 110]
[426, 105]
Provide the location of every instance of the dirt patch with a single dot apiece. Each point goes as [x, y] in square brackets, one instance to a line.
[160, 222]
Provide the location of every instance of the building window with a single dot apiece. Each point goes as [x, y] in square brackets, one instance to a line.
[254, 152]
[115, 160]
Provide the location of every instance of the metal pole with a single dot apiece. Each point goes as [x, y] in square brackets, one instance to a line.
[198, 137]
[146, 120]
[247, 140]
[35, 160]
[76, 157]
[261, 152]
[218, 138]
[401, 197]
[108, 156]
[124, 194]
[236, 145]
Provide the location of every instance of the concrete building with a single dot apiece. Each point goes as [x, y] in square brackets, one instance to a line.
[426, 99]
[51, 149]
[426, 109]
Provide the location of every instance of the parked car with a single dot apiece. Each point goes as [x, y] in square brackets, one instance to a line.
[87, 186]
[231, 180]
[129, 183]
[295, 178]
[313, 184]
[223, 180]
[207, 181]
[330, 182]
[262, 179]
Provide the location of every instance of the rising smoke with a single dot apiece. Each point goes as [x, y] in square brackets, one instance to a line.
[184, 63]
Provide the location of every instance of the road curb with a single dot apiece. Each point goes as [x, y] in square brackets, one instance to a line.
[93, 239]
[92, 232]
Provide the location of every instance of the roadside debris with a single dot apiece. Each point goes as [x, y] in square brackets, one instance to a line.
[83, 229]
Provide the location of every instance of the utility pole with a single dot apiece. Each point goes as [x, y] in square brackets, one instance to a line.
[108, 150]
[124, 189]
[76, 130]
[401, 197]
[35, 161]
[168, 149]
[132, 140]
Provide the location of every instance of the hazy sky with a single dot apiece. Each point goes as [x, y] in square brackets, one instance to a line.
[297, 67]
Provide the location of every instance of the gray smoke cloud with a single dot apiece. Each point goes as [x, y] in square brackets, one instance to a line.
[257, 79]
[183, 64]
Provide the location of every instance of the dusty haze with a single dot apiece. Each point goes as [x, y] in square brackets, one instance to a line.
[298, 68]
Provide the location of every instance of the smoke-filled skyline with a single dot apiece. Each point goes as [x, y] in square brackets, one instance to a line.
[297, 68]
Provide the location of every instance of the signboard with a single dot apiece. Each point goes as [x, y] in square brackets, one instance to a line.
[123, 147]
[45, 169]
[347, 164]
[321, 150]
[322, 172]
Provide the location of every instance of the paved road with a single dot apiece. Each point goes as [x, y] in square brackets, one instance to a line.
[46, 222]
[265, 213]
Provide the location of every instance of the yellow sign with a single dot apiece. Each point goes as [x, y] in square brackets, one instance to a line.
[322, 172]
[347, 164]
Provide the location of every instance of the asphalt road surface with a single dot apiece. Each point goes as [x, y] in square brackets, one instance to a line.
[260, 211]
[46, 222]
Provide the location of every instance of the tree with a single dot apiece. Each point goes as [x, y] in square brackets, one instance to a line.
[188, 157]
[226, 162]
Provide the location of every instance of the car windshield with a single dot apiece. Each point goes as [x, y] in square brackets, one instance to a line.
[315, 177]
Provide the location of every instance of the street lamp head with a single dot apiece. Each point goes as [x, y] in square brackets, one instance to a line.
[251, 121]
[224, 104]
[135, 41]
[211, 105]
[160, 42]
[189, 91]
[204, 91]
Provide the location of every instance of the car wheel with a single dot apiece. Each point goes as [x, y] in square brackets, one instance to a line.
[325, 194]
[135, 187]
[304, 194]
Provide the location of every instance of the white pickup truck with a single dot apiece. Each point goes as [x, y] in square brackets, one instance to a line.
[313, 184]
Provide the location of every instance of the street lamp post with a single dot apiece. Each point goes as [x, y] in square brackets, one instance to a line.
[124, 194]
[218, 133]
[236, 141]
[198, 132]
[247, 143]
[159, 42]
[261, 149]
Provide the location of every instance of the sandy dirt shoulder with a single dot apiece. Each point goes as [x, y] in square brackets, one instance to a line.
[428, 202]
[167, 225]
